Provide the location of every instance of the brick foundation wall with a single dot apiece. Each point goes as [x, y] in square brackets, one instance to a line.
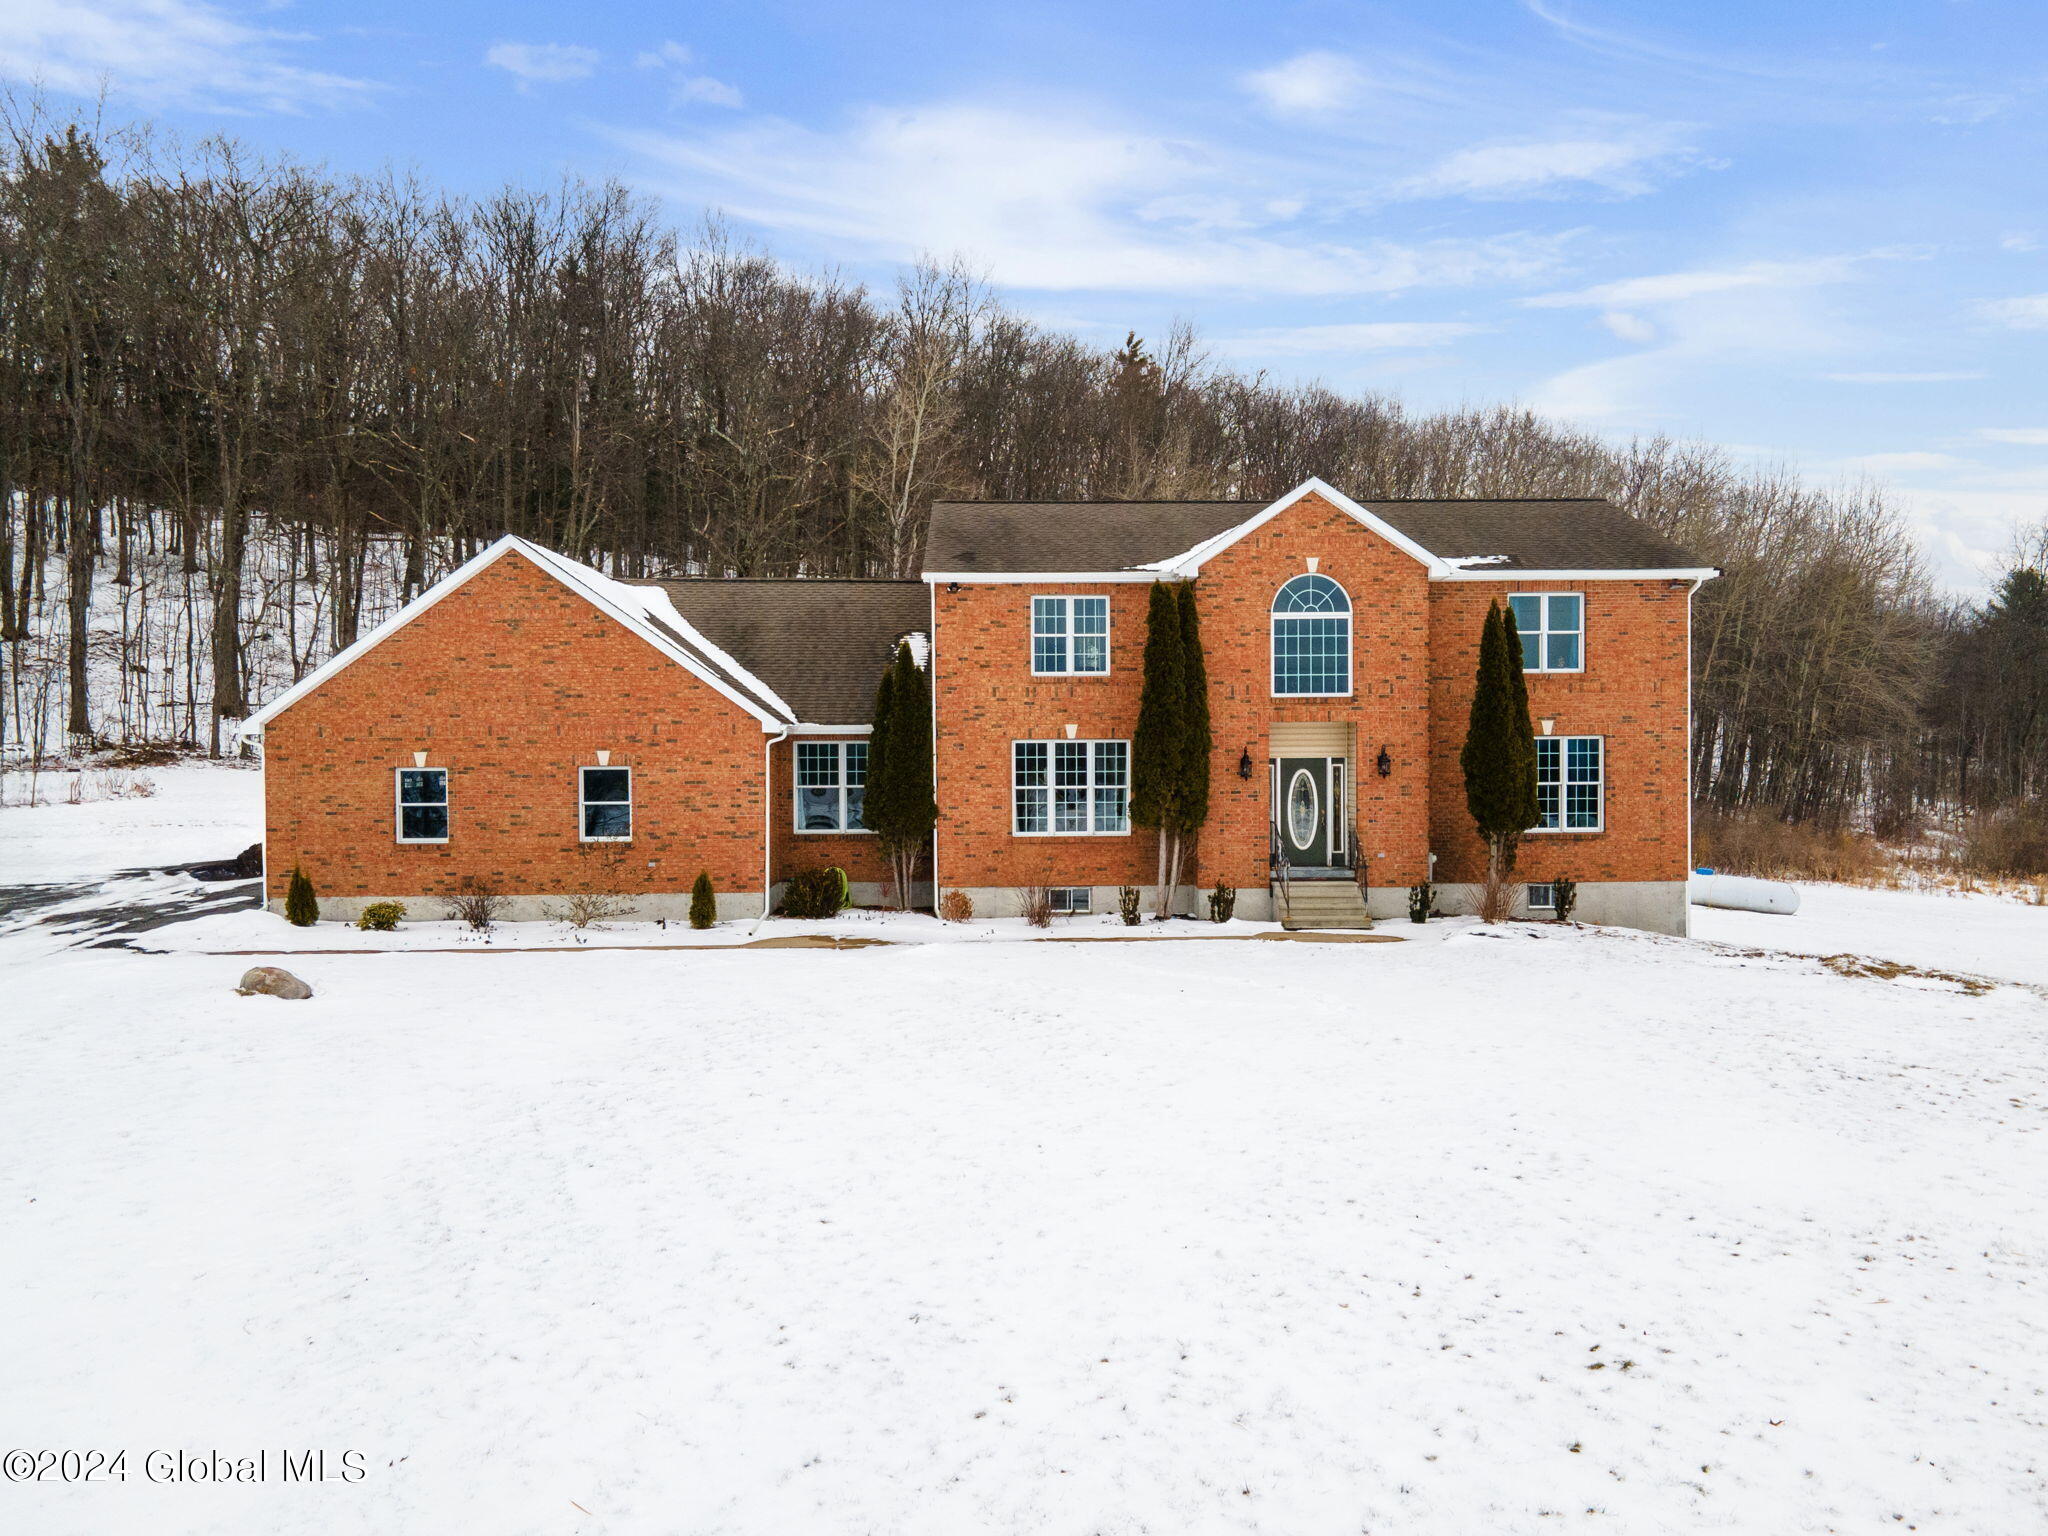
[512, 682]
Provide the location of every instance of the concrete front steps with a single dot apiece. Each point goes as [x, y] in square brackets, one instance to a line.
[1320, 904]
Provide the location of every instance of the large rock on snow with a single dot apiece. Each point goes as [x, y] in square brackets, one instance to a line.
[269, 981]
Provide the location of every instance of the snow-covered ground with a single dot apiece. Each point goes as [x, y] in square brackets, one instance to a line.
[1501, 1231]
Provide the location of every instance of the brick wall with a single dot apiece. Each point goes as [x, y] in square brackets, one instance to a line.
[987, 698]
[512, 682]
[1632, 692]
[1388, 706]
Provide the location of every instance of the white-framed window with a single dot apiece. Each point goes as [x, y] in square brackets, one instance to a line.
[604, 804]
[1553, 630]
[1311, 639]
[1070, 788]
[422, 805]
[1542, 896]
[1570, 784]
[1069, 635]
[1073, 900]
[831, 781]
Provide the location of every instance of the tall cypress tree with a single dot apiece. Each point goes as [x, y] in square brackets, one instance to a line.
[1499, 756]
[899, 805]
[1196, 740]
[1158, 777]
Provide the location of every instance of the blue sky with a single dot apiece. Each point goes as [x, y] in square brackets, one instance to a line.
[1815, 234]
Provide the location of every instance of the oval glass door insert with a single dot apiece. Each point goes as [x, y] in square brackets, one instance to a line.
[1302, 802]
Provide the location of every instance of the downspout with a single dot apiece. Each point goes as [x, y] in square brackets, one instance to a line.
[768, 827]
[931, 677]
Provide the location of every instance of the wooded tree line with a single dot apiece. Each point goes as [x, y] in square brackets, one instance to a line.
[277, 402]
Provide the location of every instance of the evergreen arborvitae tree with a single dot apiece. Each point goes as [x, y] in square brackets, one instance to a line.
[1158, 777]
[899, 805]
[1499, 756]
[301, 906]
[1196, 741]
[703, 901]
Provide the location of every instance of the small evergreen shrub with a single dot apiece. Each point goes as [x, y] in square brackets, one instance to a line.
[703, 901]
[956, 907]
[381, 916]
[1128, 901]
[1222, 904]
[814, 893]
[1421, 903]
[301, 906]
[1564, 896]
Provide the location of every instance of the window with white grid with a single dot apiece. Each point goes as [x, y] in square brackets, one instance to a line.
[831, 781]
[1570, 778]
[1070, 788]
[1311, 639]
[1553, 630]
[1069, 635]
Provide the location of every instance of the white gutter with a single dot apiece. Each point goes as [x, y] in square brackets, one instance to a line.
[768, 827]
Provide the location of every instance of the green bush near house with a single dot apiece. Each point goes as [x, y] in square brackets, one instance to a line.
[1421, 903]
[814, 893]
[703, 901]
[1222, 904]
[301, 906]
[380, 916]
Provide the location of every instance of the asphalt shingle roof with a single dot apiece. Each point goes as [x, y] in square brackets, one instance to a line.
[820, 644]
[1023, 536]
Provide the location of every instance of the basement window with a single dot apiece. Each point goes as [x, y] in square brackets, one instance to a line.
[607, 804]
[1543, 897]
[423, 805]
[1073, 900]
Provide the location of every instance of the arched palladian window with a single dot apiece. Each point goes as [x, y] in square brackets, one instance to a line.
[1311, 638]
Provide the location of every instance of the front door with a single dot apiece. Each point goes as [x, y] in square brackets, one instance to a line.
[1307, 792]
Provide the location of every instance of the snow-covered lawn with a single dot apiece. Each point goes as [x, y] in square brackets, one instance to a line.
[1469, 1235]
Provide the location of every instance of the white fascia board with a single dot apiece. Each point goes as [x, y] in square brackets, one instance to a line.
[563, 570]
[632, 605]
[1191, 563]
[802, 728]
[1692, 574]
[998, 578]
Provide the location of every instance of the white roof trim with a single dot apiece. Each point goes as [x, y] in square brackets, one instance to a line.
[1610, 573]
[614, 599]
[1190, 563]
[988, 578]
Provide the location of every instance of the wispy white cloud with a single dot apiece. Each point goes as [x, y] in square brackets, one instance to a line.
[2026, 313]
[1622, 159]
[686, 84]
[543, 63]
[2032, 437]
[1364, 336]
[165, 52]
[1672, 287]
[1903, 462]
[1055, 199]
[1629, 327]
[1308, 84]
[1902, 378]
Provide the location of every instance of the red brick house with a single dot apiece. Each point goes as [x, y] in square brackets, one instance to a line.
[546, 729]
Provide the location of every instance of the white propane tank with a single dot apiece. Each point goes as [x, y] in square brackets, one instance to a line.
[1740, 893]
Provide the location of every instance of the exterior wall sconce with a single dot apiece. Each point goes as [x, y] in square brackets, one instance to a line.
[1244, 764]
[1385, 764]
[1548, 724]
[604, 759]
[419, 759]
[952, 589]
